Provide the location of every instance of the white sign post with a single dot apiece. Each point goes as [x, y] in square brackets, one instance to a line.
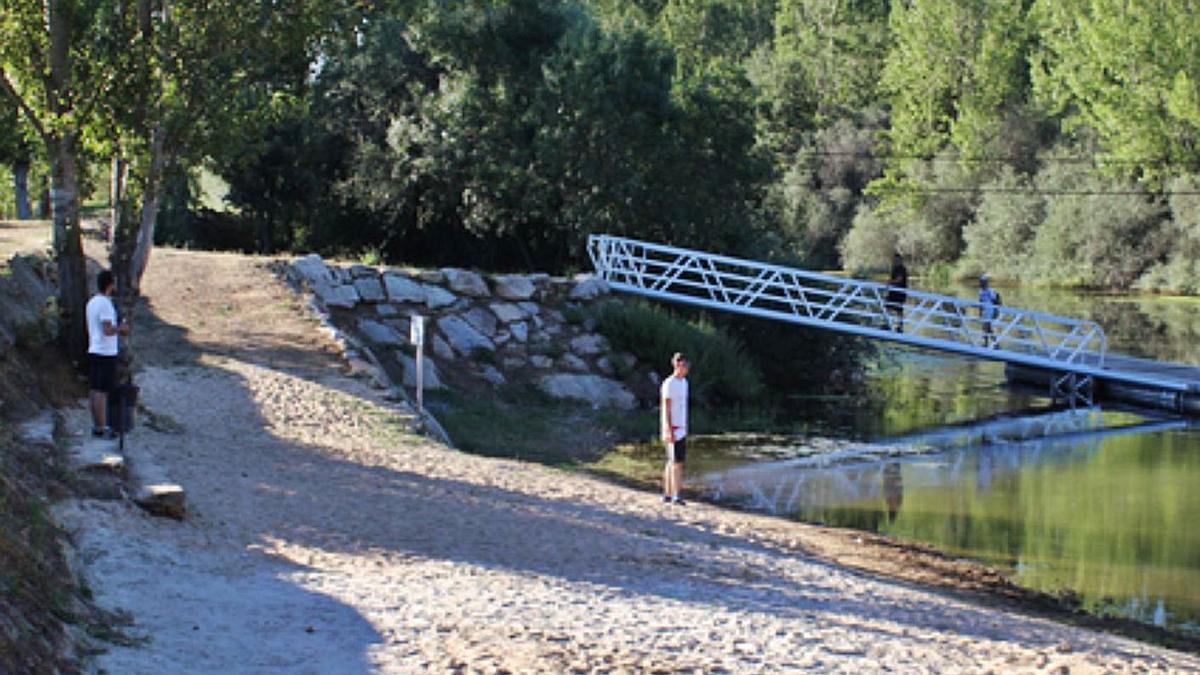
[416, 335]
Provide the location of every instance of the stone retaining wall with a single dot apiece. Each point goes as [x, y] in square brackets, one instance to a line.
[482, 331]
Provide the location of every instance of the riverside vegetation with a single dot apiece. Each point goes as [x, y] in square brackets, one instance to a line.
[1051, 140]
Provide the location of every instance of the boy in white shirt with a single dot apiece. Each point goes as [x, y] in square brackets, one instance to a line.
[674, 427]
[102, 330]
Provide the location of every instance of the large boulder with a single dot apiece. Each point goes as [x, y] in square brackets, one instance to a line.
[466, 283]
[572, 362]
[381, 334]
[403, 289]
[462, 336]
[493, 376]
[599, 392]
[483, 321]
[431, 378]
[519, 330]
[589, 345]
[436, 296]
[312, 270]
[588, 288]
[507, 312]
[369, 289]
[513, 287]
[442, 349]
[337, 295]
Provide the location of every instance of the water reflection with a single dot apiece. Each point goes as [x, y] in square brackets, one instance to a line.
[1095, 504]
[1100, 508]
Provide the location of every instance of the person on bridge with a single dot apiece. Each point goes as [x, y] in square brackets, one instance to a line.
[989, 309]
[674, 427]
[897, 293]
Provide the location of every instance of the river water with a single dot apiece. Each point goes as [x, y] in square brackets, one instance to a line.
[1097, 505]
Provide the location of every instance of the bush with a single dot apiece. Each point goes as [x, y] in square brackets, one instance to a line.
[999, 238]
[870, 243]
[921, 216]
[723, 372]
[1180, 272]
[813, 201]
[1098, 232]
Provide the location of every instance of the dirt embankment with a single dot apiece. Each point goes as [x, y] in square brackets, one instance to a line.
[45, 612]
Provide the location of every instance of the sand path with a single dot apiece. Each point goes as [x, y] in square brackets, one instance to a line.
[324, 537]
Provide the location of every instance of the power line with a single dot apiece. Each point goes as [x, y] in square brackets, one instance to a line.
[983, 159]
[1035, 191]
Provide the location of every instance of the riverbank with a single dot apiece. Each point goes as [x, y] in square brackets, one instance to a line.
[322, 534]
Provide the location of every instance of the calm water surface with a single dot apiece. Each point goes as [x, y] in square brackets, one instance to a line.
[1100, 505]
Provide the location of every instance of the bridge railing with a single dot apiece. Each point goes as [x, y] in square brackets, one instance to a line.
[848, 305]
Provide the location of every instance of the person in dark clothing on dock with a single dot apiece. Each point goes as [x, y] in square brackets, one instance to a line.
[897, 291]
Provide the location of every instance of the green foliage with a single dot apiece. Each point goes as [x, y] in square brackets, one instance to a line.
[1130, 70]
[1096, 240]
[722, 370]
[953, 69]
[840, 46]
[814, 202]
[1180, 271]
[999, 238]
[925, 228]
[372, 255]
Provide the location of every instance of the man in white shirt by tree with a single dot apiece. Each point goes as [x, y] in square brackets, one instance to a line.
[674, 427]
[102, 350]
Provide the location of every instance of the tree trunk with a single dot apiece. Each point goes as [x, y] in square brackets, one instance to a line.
[151, 200]
[121, 262]
[21, 190]
[68, 245]
[118, 177]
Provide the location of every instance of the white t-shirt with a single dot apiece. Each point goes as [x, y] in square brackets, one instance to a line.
[676, 389]
[100, 309]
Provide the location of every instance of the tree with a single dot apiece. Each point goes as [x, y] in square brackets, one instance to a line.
[16, 151]
[1131, 71]
[841, 44]
[52, 64]
[955, 69]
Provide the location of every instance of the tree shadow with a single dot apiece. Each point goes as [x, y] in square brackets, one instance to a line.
[304, 495]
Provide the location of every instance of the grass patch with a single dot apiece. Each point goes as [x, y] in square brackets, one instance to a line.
[523, 424]
[722, 370]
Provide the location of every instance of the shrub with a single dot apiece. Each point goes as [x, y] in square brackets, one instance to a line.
[998, 239]
[870, 243]
[1098, 232]
[1180, 272]
[921, 216]
[722, 370]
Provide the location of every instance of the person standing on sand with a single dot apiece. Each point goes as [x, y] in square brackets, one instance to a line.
[674, 427]
[102, 330]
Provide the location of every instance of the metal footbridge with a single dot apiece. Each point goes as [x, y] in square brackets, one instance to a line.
[1068, 354]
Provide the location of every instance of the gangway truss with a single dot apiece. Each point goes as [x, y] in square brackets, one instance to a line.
[1073, 349]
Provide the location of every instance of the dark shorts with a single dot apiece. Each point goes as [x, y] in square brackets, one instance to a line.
[680, 454]
[895, 300]
[103, 372]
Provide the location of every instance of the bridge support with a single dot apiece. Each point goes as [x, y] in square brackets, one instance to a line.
[1073, 389]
